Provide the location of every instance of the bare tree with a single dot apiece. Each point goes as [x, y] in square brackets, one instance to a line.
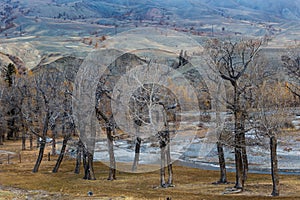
[103, 99]
[146, 104]
[45, 104]
[291, 62]
[68, 124]
[270, 116]
[232, 60]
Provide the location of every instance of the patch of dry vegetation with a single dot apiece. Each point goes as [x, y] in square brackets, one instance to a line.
[17, 180]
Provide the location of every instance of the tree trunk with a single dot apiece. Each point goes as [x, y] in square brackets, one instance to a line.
[220, 146]
[23, 139]
[162, 166]
[244, 159]
[88, 167]
[239, 168]
[241, 160]
[37, 142]
[169, 162]
[11, 127]
[40, 156]
[31, 141]
[274, 166]
[112, 161]
[237, 138]
[137, 154]
[91, 167]
[54, 134]
[78, 157]
[42, 143]
[1, 137]
[223, 175]
[238, 153]
[61, 155]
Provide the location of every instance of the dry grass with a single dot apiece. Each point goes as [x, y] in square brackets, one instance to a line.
[189, 183]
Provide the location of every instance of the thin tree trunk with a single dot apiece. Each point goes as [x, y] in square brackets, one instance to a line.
[162, 166]
[78, 157]
[223, 175]
[274, 166]
[244, 159]
[42, 144]
[169, 162]
[112, 161]
[54, 134]
[88, 167]
[1, 137]
[137, 154]
[61, 155]
[220, 146]
[40, 156]
[23, 139]
[91, 167]
[31, 141]
[85, 163]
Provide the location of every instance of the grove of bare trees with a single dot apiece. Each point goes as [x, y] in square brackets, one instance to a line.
[38, 105]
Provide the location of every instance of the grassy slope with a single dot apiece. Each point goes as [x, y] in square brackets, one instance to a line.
[190, 183]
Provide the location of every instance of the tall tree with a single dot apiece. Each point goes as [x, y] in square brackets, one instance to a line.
[232, 60]
[269, 119]
[46, 102]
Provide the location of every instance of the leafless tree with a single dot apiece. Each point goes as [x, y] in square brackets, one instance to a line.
[68, 124]
[291, 62]
[233, 60]
[103, 99]
[146, 104]
[268, 120]
[45, 86]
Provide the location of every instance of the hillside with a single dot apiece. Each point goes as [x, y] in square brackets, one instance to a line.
[37, 17]
[75, 27]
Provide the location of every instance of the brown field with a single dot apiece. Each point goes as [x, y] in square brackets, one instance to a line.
[18, 182]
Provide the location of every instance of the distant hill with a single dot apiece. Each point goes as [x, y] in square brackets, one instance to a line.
[107, 17]
[75, 9]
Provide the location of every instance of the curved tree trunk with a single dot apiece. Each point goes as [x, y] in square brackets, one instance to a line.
[274, 166]
[42, 144]
[40, 156]
[61, 155]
